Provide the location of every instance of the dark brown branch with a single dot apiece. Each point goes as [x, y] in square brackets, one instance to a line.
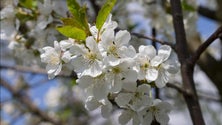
[186, 69]
[209, 13]
[217, 34]
[28, 102]
[154, 39]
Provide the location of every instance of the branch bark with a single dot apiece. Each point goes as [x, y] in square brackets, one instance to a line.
[217, 34]
[28, 102]
[209, 13]
[186, 68]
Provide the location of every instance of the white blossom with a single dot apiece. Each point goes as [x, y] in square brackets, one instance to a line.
[108, 25]
[157, 111]
[127, 115]
[94, 86]
[105, 106]
[54, 57]
[136, 99]
[119, 75]
[112, 45]
[162, 66]
[88, 61]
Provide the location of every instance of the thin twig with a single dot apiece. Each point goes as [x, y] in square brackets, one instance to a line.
[178, 88]
[28, 102]
[154, 39]
[217, 34]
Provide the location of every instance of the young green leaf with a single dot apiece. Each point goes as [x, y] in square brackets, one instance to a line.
[79, 15]
[71, 22]
[72, 32]
[104, 13]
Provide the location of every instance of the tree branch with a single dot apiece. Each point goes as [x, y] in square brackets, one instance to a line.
[203, 47]
[209, 13]
[27, 101]
[179, 89]
[154, 40]
[202, 95]
[186, 69]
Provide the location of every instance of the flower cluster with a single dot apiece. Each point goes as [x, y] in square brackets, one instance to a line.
[111, 71]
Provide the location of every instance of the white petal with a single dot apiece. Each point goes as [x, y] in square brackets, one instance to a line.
[156, 61]
[165, 106]
[85, 81]
[100, 90]
[146, 100]
[51, 68]
[94, 70]
[79, 64]
[122, 38]
[149, 51]
[65, 44]
[162, 118]
[164, 51]
[130, 76]
[136, 120]
[58, 70]
[107, 38]
[109, 24]
[117, 84]
[123, 98]
[57, 47]
[148, 119]
[91, 103]
[66, 57]
[162, 79]
[112, 60]
[171, 66]
[151, 74]
[125, 117]
[94, 31]
[144, 88]
[78, 49]
[91, 44]
[127, 52]
[106, 109]
[130, 86]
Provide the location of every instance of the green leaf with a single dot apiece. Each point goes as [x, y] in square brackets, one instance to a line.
[187, 6]
[72, 32]
[104, 13]
[79, 15]
[71, 22]
[26, 3]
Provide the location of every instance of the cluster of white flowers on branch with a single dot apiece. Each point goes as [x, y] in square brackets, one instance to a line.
[107, 65]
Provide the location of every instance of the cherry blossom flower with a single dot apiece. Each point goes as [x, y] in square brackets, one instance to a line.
[119, 75]
[54, 57]
[157, 111]
[88, 61]
[108, 25]
[105, 105]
